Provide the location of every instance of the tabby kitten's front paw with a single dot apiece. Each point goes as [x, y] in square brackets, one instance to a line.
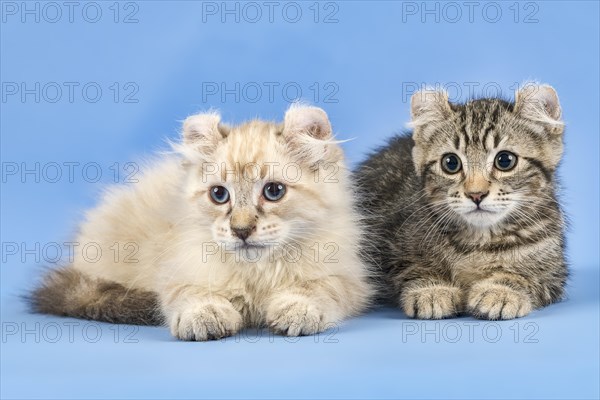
[496, 301]
[209, 320]
[295, 316]
[431, 302]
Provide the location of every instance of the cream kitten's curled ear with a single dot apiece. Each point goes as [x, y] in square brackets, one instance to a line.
[202, 129]
[301, 120]
[539, 103]
[308, 131]
[429, 105]
[200, 135]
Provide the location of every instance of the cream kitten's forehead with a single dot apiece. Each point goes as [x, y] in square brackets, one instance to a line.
[252, 148]
[304, 138]
[253, 141]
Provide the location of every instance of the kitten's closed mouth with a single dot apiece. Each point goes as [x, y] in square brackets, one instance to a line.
[249, 246]
[481, 211]
[245, 246]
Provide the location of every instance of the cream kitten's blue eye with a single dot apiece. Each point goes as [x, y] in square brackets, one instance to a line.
[451, 163]
[505, 161]
[219, 194]
[274, 191]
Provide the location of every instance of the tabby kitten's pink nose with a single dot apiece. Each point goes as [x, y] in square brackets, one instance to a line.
[477, 197]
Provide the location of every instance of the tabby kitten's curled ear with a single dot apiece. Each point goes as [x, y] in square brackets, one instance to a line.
[429, 106]
[308, 133]
[429, 109]
[200, 135]
[539, 103]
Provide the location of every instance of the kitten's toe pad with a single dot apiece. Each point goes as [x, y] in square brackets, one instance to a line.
[431, 302]
[209, 320]
[295, 316]
[496, 301]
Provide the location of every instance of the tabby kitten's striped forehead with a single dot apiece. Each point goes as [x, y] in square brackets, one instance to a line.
[485, 158]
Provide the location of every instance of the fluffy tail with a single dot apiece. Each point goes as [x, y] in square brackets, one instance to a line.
[68, 292]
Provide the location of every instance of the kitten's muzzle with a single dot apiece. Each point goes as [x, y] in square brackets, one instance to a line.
[477, 197]
[243, 232]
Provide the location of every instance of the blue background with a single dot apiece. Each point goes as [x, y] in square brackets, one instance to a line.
[365, 62]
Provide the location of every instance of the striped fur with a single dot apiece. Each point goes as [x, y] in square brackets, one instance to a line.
[438, 258]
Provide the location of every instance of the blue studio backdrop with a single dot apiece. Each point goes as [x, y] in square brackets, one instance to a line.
[89, 89]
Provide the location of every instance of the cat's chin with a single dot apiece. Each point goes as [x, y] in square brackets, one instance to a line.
[482, 219]
[247, 246]
[247, 252]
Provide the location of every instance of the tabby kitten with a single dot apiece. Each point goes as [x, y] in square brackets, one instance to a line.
[250, 225]
[466, 209]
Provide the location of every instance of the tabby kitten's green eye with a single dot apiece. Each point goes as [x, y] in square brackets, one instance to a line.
[505, 161]
[451, 163]
[274, 191]
[219, 194]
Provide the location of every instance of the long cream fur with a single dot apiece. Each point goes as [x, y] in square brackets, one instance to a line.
[303, 275]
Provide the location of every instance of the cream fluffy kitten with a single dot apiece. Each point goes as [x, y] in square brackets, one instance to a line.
[250, 225]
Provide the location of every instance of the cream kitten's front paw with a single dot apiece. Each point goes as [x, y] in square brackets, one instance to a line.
[496, 301]
[212, 319]
[295, 316]
[431, 302]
